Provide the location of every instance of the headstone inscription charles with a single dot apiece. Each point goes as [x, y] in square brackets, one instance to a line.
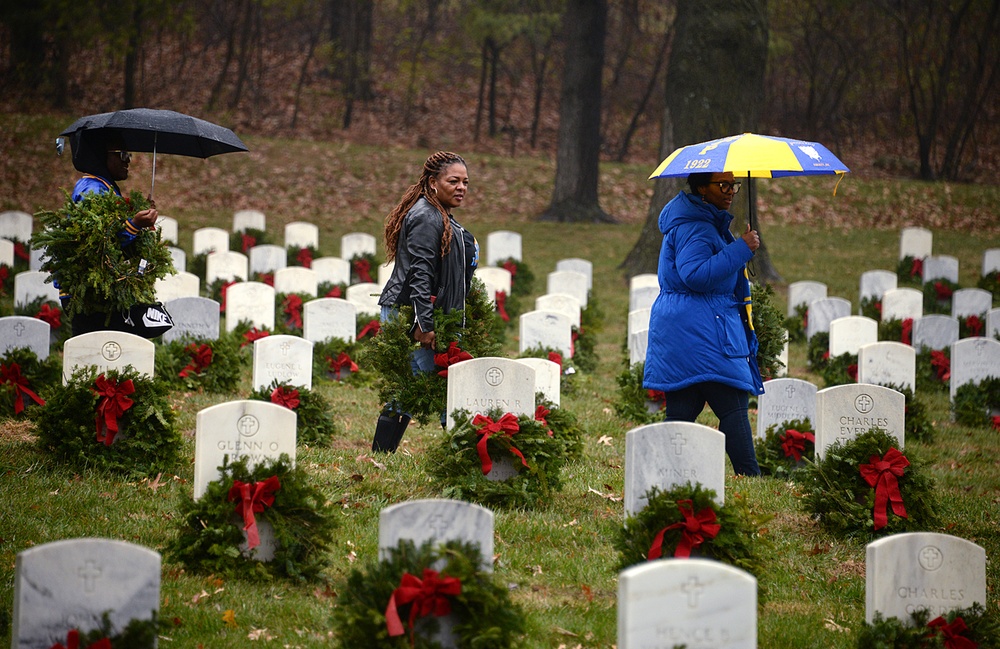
[845, 411]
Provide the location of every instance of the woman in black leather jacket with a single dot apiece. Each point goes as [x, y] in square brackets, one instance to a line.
[435, 260]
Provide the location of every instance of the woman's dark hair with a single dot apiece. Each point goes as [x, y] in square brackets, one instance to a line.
[434, 166]
[700, 179]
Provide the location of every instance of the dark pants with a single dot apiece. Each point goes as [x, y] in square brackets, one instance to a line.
[730, 405]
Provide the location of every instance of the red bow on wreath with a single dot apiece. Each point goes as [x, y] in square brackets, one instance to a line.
[201, 358]
[793, 443]
[942, 290]
[305, 257]
[287, 397]
[541, 412]
[941, 364]
[222, 296]
[293, 309]
[453, 355]
[362, 268]
[996, 422]
[373, 327]
[334, 292]
[975, 325]
[657, 396]
[253, 498]
[21, 251]
[112, 405]
[501, 300]
[954, 633]
[12, 374]
[506, 425]
[73, 642]
[343, 360]
[52, 315]
[906, 333]
[511, 267]
[881, 474]
[247, 241]
[917, 268]
[428, 596]
[254, 335]
[556, 358]
[695, 528]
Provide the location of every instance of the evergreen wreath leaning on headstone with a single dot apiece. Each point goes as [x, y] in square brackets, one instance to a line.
[118, 419]
[214, 366]
[965, 628]
[315, 424]
[397, 602]
[786, 447]
[24, 381]
[977, 404]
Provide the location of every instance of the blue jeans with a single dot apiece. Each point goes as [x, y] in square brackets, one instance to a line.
[730, 405]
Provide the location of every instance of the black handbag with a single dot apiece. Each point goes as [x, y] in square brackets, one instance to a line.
[147, 320]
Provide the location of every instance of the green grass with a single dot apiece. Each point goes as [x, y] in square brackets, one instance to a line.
[558, 560]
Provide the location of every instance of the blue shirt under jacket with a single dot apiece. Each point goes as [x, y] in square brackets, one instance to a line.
[697, 330]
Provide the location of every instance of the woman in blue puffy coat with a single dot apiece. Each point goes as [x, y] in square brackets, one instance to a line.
[702, 347]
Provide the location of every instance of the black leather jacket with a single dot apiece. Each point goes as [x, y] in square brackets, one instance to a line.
[420, 271]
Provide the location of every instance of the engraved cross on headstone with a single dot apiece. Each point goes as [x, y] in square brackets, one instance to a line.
[439, 525]
[864, 403]
[494, 376]
[677, 439]
[790, 391]
[284, 348]
[89, 572]
[19, 329]
[930, 558]
[693, 589]
[247, 425]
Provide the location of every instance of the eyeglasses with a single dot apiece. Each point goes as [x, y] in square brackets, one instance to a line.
[125, 156]
[726, 186]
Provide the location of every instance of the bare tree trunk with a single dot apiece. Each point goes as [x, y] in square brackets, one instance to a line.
[132, 55]
[640, 109]
[574, 197]
[539, 64]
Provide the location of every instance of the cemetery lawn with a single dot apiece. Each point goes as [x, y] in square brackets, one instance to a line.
[558, 560]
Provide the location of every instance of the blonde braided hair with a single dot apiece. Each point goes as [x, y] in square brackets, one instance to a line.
[434, 166]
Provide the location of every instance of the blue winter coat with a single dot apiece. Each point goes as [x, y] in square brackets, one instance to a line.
[697, 326]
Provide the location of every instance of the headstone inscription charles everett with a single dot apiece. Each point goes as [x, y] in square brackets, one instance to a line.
[845, 411]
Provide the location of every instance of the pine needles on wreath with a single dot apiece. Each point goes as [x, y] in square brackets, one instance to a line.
[314, 425]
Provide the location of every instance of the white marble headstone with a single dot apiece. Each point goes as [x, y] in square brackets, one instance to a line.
[37, 256]
[638, 343]
[267, 258]
[849, 333]
[940, 267]
[364, 297]
[972, 360]
[547, 330]
[252, 302]
[502, 245]
[672, 453]
[888, 363]
[992, 323]
[440, 520]
[970, 301]
[804, 292]
[785, 400]
[179, 258]
[580, 266]
[482, 384]
[15, 225]
[922, 570]
[332, 270]
[495, 279]
[356, 244]
[824, 311]
[7, 253]
[206, 240]
[642, 297]
[548, 377]
[196, 318]
[874, 283]
[287, 359]
[902, 303]
[228, 265]
[693, 603]
[20, 331]
[296, 279]
[70, 584]
[168, 229]
[301, 235]
[568, 282]
[560, 303]
[934, 331]
[29, 285]
[991, 261]
[108, 350]
[329, 317]
[180, 284]
[845, 411]
[385, 272]
[915, 242]
[638, 319]
[244, 220]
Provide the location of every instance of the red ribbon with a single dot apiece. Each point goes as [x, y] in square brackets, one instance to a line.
[253, 335]
[793, 443]
[267, 278]
[996, 422]
[852, 372]
[941, 364]
[12, 374]
[222, 296]
[52, 315]
[881, 474]
[373, 327]
[917, 268]
[954, 633]
[287, 397]
[247, 241]
[878, 308]
[112, 405]
[453, 355]
[428, 596]
[541, 412]
[334, 292]
[201, 358]
[305, 257]
[73, 642]
[501, 300]
[695, 528]
[556, 357]
[253, 498]
[511, 267]
[362, 268]
[907, 331]
[20, 250]
[506, 425]
[975, 325]
[293, 309]
[657, 396]
[942, 290]
[342, 361]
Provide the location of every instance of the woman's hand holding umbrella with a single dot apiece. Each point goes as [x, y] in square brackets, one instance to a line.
[751, 238]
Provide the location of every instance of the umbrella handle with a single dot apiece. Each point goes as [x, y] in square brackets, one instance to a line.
[152, 182]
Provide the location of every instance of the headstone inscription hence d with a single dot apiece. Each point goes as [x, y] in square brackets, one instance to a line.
[824, 311]
[108, 350]
[915, 242]
[934, 331]
[196, 318]
[438, 520]
[326, 318]
[804, 292]
[785, 400]
[548, 376]
[922, 570]
[845, 411]
[546, 329]
[673, 453]
[972, 361]
[502, 245]
[252, 302]
[888, 363]
[850, 333]
[69, 584]
[482, 384]
[693, 603]
[287, 359]
[24, 332]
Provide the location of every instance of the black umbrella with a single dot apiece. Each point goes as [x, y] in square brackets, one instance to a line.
[148, 130]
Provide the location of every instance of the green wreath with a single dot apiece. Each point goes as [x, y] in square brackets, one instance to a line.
[892, 329]
[839, 370]
[301, 255]
[424, 395]
[137, 634]
[835, 492]
[244, 240]
[210, 530]
[147, 441]
[315, 425]
[181, 364]
[329, 289]
[567, 366]
[919, 426]
[980, 626]
[457, 469]
[362, 265]
[795, 324]
[484, 615]
[970, 326]
[564, 426]
[732, 544]
[976, 403]
[777, 449]
[909, 272]
[769, 326]
[83, 251]
[25, 381]
[633, 401]
[937, 296]
[871, 307]
[933, 368]
[289, 312]
[991, 282]
[329, 362]
[51, 312]
[522, 280]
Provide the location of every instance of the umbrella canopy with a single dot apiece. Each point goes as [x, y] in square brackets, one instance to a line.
[147, 130]
[753, 156]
